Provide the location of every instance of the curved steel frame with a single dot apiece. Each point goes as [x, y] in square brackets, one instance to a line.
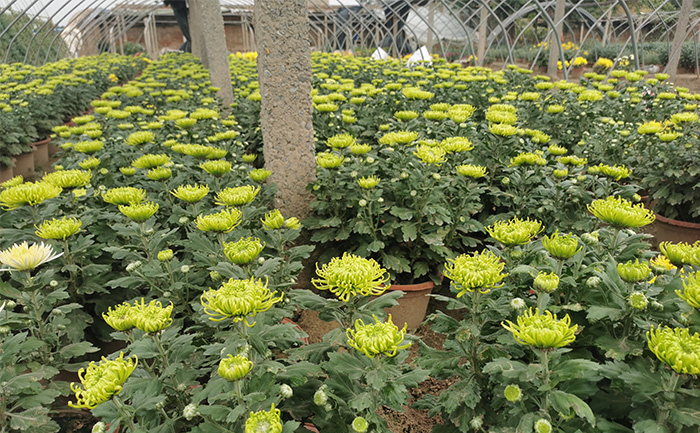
[366, 24]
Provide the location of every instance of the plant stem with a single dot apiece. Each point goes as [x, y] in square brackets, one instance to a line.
[544, 360]
[123, 413]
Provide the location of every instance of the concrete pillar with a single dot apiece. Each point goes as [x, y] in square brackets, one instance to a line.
[284, 73]
[554, 41]
[209, 44]
[483, 28]
[678, 39]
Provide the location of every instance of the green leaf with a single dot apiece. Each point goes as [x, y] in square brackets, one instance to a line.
[596, 313]
[401, 212]
[565, 403]
[686, 416]
[410, 232]
[433, 239]
[649, 426]
[375, 246]
[215, 412]
[77, 349]
[619, 348]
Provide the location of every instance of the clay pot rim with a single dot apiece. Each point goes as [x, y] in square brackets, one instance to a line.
[46, 140]
[418, 287]
[677, 223]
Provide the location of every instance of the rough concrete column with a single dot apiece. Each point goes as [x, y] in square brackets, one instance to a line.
[678, 38]
[483, 28]
[559, 10]
[209, 40]
[284, 73]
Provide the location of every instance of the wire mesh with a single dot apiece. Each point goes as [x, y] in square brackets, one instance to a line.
[494, 32]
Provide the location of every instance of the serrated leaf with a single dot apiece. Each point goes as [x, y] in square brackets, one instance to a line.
[565, 403]
[402, 213]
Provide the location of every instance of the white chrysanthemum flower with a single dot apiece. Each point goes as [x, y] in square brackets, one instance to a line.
[23, 257]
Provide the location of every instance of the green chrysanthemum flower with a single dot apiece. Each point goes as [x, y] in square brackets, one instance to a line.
[681, 253]
[151, 317]
[127, 171]
[561, 246]
[329, 160]
[431, 155]
[244, 251]
[248, 157]
[259, 174]
[515, 231]
[17, 180]
[398, 137]
[368, 182]
[527, 158]
[159, 173]
[350, 276]
[542, 330]
[28, 193]
[273, 220]
[691, 290]
[89, 163]
[633, 272]
[234, 368]
[141, 137]
[165, 255]
[621, 213]
[503, 129]
[676, 348]
[121, 318]
[124, 195]
[473, 171]
[545, 282]
[360, 149]
[191, 193]
[237, 196]
[151, 161]
[377, 338]
[220, 222]
[341, 141]
[139, 212]
[405, 116]
[238, 299]
[456, 144]
[264, 421]
[614, 171]
[480, 271]
[101, 381]
[58, 229]
[88, 146]
[217, 167]
[68, 178]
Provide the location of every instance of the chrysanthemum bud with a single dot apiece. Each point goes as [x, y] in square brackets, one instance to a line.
[638, 300]
[593, 282]
[286, 391]
[190, 411]
[513, 393]
[542, 426]
[360, 425]
[517, 304]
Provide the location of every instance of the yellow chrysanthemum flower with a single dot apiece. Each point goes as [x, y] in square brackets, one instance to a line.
[101, 381]
[377, 338]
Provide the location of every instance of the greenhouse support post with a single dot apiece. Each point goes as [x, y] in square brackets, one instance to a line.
[209, 44]
[559, 10]
[678, 38]
[284, 72]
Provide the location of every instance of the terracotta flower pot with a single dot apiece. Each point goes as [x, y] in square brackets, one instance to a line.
[667, 229]
[6, 173]
[412, 306]
[24, 165]
[41, 153]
